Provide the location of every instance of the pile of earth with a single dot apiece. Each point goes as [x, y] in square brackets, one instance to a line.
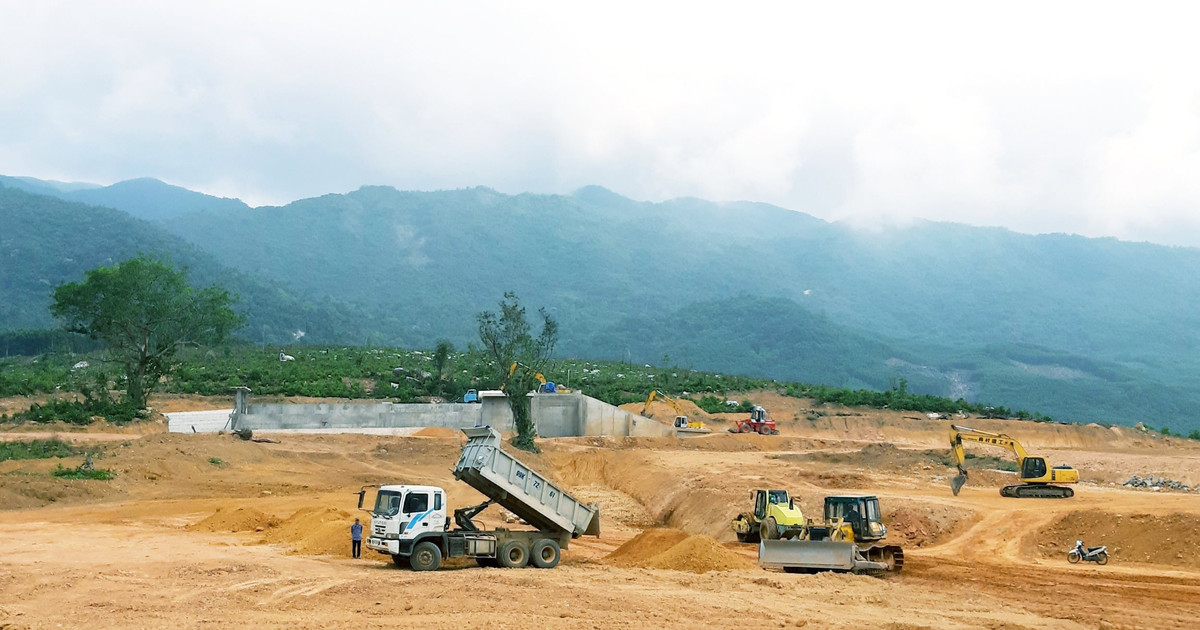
[1171, 539]
[675, 550]
[916, 525]
[312, 530]
[240, 519]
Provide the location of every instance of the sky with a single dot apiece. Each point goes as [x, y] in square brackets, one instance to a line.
[1077, 117]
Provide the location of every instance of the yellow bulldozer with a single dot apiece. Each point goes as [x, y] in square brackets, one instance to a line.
[846, 539]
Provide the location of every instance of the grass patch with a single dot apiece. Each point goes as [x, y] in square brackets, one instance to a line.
[216, 461]
[36, 449]
[83, 472]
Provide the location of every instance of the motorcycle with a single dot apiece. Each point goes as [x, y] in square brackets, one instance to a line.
[1099, 555]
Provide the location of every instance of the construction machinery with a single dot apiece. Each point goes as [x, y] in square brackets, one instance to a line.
[1037, 480]
[775, 516]
[682, 423]
[758, 422]
[544, 386]
[846, 539]
[409, 522]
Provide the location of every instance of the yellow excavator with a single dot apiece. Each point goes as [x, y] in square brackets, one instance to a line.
[682, 424]
[1037, 480]
[543, 386]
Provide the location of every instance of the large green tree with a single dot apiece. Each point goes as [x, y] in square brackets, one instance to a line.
[508, 339]
[144, 310]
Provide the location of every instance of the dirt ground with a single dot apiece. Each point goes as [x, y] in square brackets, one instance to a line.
[208, 531]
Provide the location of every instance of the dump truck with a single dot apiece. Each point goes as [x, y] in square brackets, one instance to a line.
[409, 523]
[846, 540]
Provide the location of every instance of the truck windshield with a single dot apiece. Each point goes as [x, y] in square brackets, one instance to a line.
[387, 503]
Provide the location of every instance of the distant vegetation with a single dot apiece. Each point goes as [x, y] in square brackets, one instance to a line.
[36, 449]
[1081, 329]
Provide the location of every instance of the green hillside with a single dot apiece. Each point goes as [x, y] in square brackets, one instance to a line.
[1068, 326]
[48, 241]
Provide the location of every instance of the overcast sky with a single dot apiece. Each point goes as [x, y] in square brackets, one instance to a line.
[1038, 116]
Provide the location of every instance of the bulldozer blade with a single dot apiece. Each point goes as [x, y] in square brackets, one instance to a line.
[957, 482]
[820, 555]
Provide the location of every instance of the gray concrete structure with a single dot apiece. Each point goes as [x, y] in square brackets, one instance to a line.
[556, 415]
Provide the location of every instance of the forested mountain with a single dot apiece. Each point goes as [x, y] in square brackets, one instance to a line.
[48, 241]
[144, 198]
[1080, 329]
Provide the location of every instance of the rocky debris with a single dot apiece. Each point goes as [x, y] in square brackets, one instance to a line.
[1151, 482]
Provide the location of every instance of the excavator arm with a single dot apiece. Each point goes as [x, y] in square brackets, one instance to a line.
[959, 433]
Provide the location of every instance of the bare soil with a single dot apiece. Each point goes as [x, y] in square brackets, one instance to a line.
[201, 531]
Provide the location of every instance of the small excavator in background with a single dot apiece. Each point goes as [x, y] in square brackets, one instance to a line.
[544, 386]
[681, 423]
[1037, 480]
[758, 422]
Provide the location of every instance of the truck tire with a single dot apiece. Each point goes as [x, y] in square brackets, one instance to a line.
[401, 561]
[545, 554]
[425, 557]
[513, 554]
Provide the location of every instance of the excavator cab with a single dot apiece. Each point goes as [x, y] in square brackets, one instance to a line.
[858, 513]
[1033, 469]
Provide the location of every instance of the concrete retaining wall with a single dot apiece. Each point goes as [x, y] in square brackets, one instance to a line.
[556, 415]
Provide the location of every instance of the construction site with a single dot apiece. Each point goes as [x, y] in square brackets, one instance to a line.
[794, 515]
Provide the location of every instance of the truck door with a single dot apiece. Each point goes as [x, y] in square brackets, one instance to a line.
[417, 514]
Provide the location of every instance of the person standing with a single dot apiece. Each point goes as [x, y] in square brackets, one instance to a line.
[356, 539]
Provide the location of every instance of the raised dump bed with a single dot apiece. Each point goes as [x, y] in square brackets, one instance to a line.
[483, 465]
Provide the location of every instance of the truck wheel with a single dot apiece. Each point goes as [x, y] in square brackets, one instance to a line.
[401, 561]
[545, 554]
[513, 555]
[426, 557]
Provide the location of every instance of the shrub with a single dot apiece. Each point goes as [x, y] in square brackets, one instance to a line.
[36, 449]
[84, 472]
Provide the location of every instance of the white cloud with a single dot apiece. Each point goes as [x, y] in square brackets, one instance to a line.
[1074, 116]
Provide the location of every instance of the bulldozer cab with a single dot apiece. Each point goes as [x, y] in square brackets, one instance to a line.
[758, 414]
[861, 513]
[764, 497]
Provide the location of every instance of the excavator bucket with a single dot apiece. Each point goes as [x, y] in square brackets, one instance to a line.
[814, 555]
[957, 482]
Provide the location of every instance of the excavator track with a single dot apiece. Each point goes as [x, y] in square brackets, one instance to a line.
[1031, 491]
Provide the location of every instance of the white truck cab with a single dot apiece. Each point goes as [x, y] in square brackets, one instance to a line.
[404, 513]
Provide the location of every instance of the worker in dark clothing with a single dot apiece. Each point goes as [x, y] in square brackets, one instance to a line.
[356, 539]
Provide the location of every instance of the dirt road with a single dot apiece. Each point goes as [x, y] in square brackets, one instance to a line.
[212, 532]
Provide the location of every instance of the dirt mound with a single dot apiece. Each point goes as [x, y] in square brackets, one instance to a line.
[699, 554]
[314, 531]
[651, 542]
[235, 520]
[675, 550]
[1172, 539]
[915, 525]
